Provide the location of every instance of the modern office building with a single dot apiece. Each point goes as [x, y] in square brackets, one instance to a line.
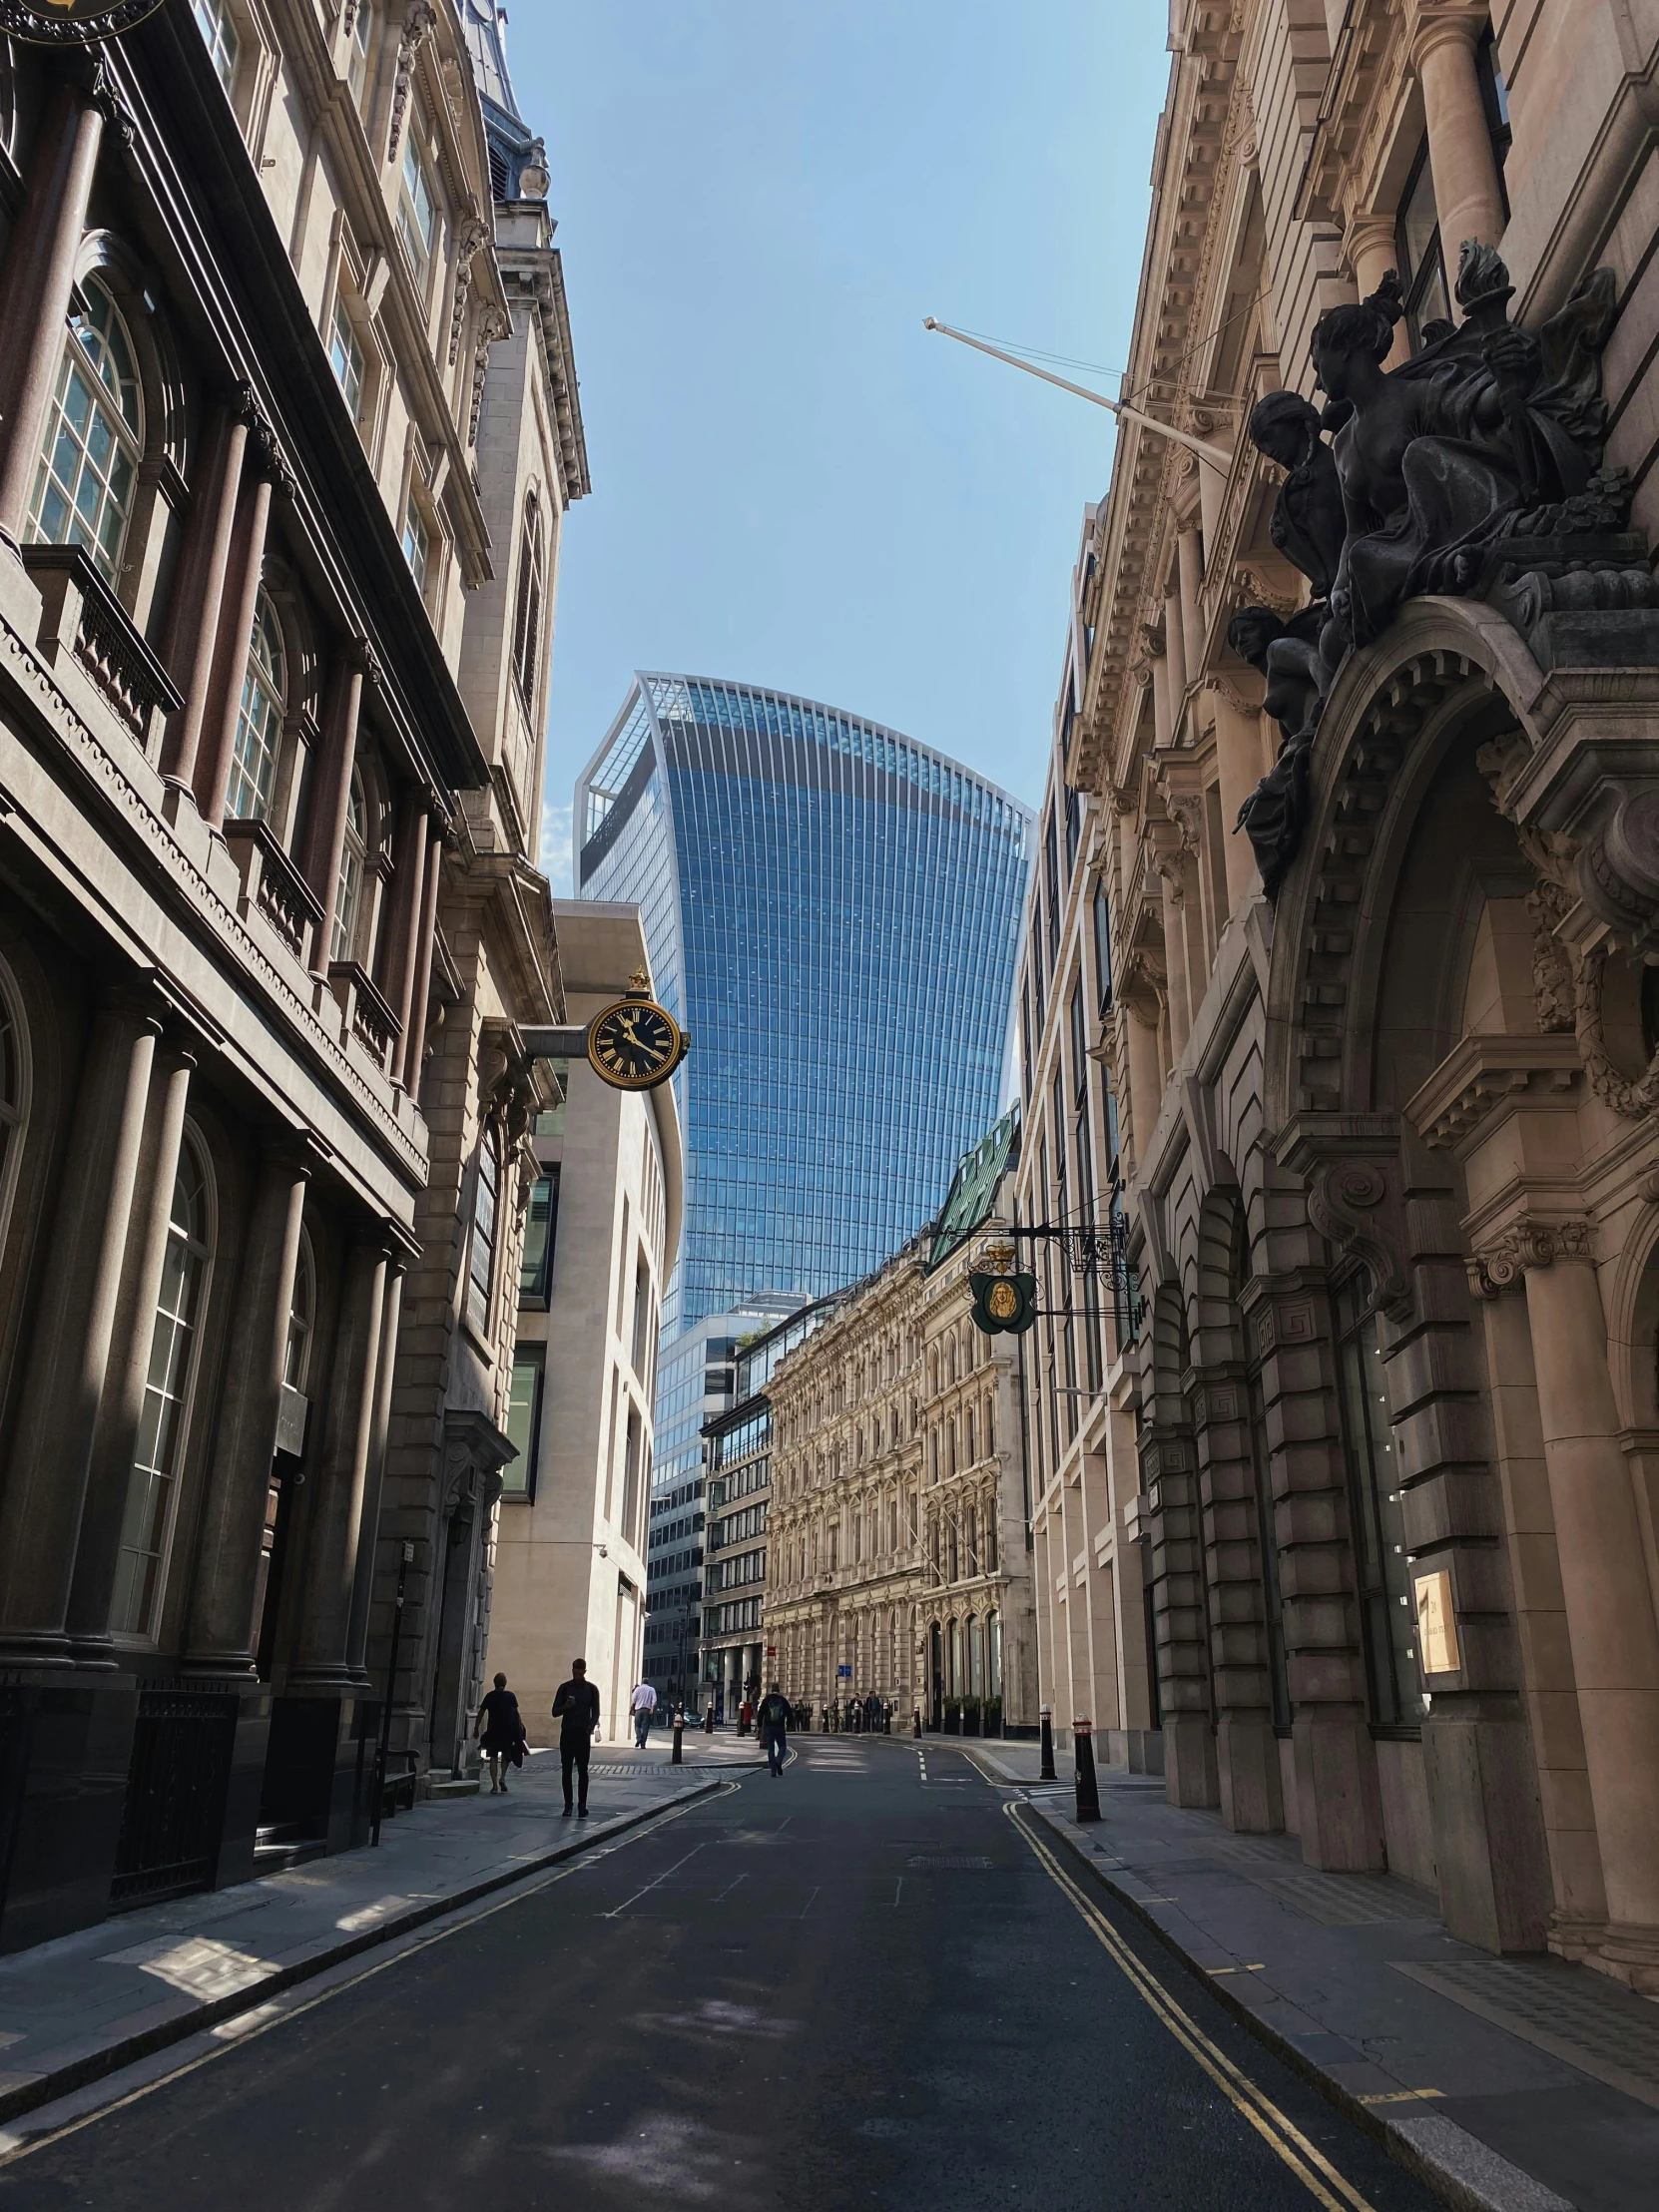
[832, 911]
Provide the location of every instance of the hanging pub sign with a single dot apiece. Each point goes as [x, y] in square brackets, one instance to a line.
[72, 22]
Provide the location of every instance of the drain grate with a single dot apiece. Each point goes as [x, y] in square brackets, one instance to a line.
[1352, 1900]
[1570, 2011]
[978, 1866]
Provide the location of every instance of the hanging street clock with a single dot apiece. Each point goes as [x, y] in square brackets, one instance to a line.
[635, 1044]
[72, 22]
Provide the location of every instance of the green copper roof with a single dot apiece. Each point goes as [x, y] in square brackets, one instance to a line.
[973, 1191]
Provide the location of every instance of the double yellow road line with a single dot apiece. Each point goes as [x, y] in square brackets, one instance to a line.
[1276, 2128]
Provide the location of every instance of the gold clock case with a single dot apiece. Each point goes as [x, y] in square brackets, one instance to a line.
[666, 1063]
[72, 22]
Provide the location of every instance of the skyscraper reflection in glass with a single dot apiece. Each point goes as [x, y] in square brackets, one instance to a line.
[832, 911]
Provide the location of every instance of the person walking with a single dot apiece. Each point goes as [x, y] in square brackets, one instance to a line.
[576, 1709]
[772, 1722]
[500, 1728]
[643, 1704]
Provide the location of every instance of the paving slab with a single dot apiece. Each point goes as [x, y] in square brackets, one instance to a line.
[1510, 2084]
[80, 2007]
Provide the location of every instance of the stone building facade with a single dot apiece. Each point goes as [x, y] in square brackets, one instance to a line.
[1382, 1417]
[899, 1560]
[602, 1236]
[246, 296]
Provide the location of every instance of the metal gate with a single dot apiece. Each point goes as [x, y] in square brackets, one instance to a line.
[174, 1815]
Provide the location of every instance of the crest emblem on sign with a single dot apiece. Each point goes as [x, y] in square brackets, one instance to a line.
[72, 22]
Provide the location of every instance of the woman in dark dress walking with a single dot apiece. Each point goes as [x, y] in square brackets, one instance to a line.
[501, 1730]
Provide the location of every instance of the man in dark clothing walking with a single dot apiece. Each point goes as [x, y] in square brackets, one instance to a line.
[576, 1709]
[772, 1722]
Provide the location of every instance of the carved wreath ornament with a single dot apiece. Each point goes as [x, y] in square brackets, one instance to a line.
[72, 22]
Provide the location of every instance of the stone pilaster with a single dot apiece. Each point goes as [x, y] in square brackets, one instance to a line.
[67, 1362]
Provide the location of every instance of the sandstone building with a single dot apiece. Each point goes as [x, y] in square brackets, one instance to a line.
[266, 913]
[601, 1238]
[898, 1545]
[1376, 1405]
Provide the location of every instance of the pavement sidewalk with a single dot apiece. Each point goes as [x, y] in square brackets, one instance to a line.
[1507, 2084]
[86, 2004]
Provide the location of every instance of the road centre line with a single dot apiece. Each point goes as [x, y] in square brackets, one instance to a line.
[282, 2012]
[1309, 2165]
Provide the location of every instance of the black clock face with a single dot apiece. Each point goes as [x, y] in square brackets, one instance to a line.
[633, 1044]
[71, 22]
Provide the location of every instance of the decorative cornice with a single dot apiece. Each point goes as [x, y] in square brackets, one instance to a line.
[1481, 1075]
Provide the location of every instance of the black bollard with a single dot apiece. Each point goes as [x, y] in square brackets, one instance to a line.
[677, 1757]
[1088, 1789]
[915, 1722]
[1048, 1774]
[708, 1722]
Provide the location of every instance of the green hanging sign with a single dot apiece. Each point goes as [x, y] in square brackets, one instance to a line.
[1003, 1303]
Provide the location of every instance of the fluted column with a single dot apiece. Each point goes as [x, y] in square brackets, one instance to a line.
[332, 795]
[1610, 1616]
[415, 1042]
[321, 1659]
[409, 867]
[362, 1588]
[40, 273]
[221, 1638]
[235, 633]
[1175, 952]
[1174, 660]
[1468, 196]
[1238, 771]
[68, 1357]
[1189, 555]
[98, 1555]
[199, 588]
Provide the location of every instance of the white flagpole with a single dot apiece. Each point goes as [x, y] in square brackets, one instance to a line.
[1216, 455]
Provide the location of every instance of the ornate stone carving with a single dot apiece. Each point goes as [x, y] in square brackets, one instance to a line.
[1499, 1265]
[1552, 980]
[419, 25]
[1473, 468]
[493, 325]
[475, 234]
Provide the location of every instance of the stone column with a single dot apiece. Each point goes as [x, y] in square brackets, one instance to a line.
[235, 631]
[98, 1555]
[1247, 1750]
[199, 588]
[1238, 771]
[40, 271]
[415, 1040]
[321, 1659]
[220, 1635]
[1175, 660]
[1610, 1617]
[1181, 1608]
[1163, 684]
[67, 1358]
[1175, 952]
[1468, 196]
[332, 789]
[1189, 554]
[362, 1589]
[409, 866]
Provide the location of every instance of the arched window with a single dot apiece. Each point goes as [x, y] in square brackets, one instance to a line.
[94, 436]
[976, 1659]
[486, 1198]
[14, 1094]
[153, 1485]
[260, 722]
[532, 589]
[296, 1359]
[354, 860]
[994, 1655]
[955, 1680]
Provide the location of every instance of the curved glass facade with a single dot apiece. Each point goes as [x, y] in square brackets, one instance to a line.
[831, 910]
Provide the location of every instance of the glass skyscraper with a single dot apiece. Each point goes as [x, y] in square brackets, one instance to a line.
[832, 911]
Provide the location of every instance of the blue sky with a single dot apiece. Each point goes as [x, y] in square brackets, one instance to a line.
[794, 483]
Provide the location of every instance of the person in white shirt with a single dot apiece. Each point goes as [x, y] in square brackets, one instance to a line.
[644, 1703]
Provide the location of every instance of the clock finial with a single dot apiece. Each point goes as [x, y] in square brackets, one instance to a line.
[639, 984]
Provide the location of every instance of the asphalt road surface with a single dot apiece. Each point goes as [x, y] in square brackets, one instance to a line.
[869, 1982]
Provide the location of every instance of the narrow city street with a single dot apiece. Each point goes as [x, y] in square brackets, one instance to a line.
[871, 1981]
